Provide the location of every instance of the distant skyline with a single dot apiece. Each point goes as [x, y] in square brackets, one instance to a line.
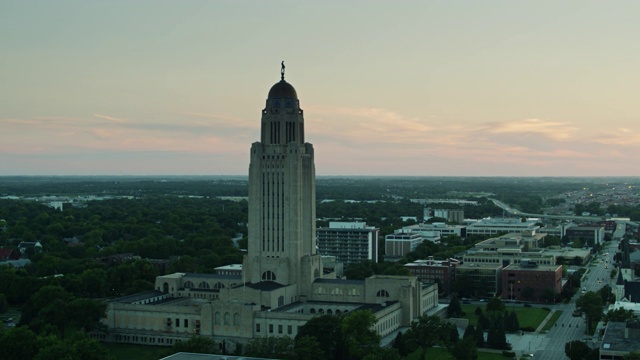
[411, 88]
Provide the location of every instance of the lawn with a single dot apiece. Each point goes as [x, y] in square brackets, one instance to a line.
[443, 354]
[527, 317]
[136, 352]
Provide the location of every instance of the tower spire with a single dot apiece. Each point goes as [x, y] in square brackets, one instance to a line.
[282, 70]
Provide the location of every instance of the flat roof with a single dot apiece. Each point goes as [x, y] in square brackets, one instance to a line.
[139, 296]
[614, 339]
[537, 268]
[338, 281]
[476, 265]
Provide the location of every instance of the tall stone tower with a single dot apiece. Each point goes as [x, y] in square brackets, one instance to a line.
[282, 197]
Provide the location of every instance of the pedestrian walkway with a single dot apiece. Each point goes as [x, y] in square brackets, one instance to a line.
[544, 322]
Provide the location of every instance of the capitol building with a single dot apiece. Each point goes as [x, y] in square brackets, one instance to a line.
[282, 283]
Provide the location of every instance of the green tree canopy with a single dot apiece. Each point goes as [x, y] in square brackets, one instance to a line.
[590, 305]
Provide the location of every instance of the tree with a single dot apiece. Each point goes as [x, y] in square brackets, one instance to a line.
[479, 337]
[428, 331]
[359, 271]
[606, 294]
[87, 313]
[196, 344]
[495, 304]
[307, 348]
[455, 309]
[465, 349]
[89, 349]
[576, 350]
[469, 331]
[511, 322]
[4, 304]
[277, 347]
[383, 354]
[496, 337]
[618, 315]
[18, 343]
[360, 338]
[590, 305]
[52, 348]
[400, 344]
[634, 355]
[327, 332]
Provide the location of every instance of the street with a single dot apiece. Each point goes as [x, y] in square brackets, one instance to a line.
[550, 346]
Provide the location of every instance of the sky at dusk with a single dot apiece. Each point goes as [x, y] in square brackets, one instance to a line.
[417, 88]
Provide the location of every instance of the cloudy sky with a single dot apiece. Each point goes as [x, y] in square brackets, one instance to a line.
[456, 88]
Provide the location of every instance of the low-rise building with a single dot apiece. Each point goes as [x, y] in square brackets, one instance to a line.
[451, 215]
[531, 282]
[442, 272]
[9, 254]
[588, 235]
[620, 339]
[442, 229]
[482, 280]
[493, 226]
[26, 246]
[558, 230]
[233, 269]
[400, 244]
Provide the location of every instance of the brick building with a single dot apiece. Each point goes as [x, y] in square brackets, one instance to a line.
[538, 280]
[442, 272]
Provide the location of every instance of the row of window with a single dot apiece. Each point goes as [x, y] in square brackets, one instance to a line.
[185, 323]
[227, 318]
[144, 339]
[337, 291]
[280, 329]
[202, 285]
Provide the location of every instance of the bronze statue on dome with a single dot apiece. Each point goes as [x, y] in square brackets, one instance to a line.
[282, 70]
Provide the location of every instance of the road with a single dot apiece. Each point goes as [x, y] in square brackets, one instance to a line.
[550, 346]
[516, 212]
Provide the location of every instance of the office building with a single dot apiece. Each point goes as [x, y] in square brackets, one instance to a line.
[349, 242]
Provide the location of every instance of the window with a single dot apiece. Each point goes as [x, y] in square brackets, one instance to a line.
[289, 328]
[186, 323]
[177, 322]
[257, 327]
[268, 276]
[236, 319]
[218, 318]
[227, 318]
[270, 328]
[279, 329]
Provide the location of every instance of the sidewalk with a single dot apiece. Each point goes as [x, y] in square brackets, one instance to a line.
[544, 322]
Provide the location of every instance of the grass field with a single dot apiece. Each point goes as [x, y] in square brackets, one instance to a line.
[527, 317]
[136, 352]
[443, 354]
